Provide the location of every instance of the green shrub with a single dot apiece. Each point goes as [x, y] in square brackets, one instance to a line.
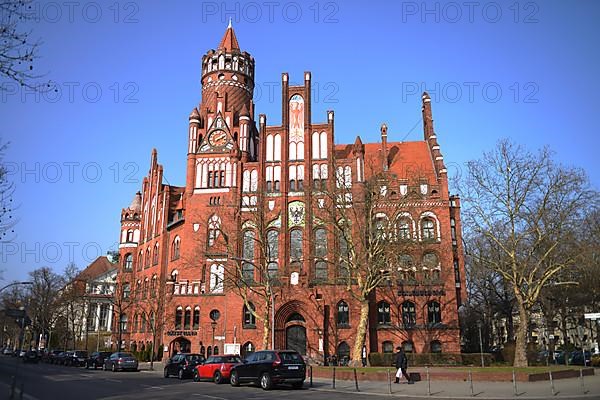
[418, 359]
[475, 359]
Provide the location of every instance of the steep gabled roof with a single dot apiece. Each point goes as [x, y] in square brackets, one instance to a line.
[229, 42]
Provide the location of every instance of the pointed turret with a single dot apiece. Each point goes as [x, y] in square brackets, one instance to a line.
[229, 42]
[136, 203]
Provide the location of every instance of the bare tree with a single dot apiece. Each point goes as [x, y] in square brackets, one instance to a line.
[45, 301]
[7, 208]
[369, 245]
[527, 206]
[17, 50]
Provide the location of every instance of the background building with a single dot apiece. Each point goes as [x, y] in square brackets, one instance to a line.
[178, 244]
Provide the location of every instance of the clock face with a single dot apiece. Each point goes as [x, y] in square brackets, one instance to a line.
[217, 138]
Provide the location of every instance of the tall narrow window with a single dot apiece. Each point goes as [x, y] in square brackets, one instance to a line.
[249, 318]
[383, 313]
[428, 229]
[175, 248]
[248, 256]
[187, 318]
[296, 245]
[409, 314]
[321, 271]
[272, 245]
[178, 317]
[344, 261]
[155, 255]
[216, 278]
[196, 321]
[434, 313]
[214, 229]
[320, 243]
[128, 264]
[403, 228]
[343, 314]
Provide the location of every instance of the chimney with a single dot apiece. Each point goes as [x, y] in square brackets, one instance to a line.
[384, 151]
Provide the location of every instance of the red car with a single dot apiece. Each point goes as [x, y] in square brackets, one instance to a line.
[216, 368]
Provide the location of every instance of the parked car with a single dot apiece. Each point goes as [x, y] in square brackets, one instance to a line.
[577, 358]
[31, 356]
[182, 365]
[120, 362]
[48, 356]
[76, 358]
[7, 351]
[270, 367]
[62, 358]
[216, 368]
[96, 359]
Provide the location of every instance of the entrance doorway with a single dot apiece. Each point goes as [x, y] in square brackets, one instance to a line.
[180, 345]
[295, 333]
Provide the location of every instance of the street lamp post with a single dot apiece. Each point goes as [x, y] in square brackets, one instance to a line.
[213, 325]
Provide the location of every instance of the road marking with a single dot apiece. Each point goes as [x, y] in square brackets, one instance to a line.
[153, 387]
[210, 397]
[112, 380]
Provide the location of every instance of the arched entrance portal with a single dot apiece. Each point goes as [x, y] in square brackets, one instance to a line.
[290, 328]
[179, 345]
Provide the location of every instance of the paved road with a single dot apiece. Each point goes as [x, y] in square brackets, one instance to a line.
[44, 381]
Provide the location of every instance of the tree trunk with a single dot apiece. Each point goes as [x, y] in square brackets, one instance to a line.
[361, 332]
[521, 338]
[267, 331]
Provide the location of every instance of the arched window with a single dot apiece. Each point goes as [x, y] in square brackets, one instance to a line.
[434, 313]
[409, 314]
[187, 318]
[428, 229]
[387, 347]
[383, 313]
[135, 323]
[151, 322]
[435, 346]
[320, 243]
[272, 245]
[246, 181]
[214, 228]
[143, 323]
[249, 318]
[130, 235]
[343, 353]
[196, 320]
[175, 248]
[209, 351]
[155, 255]
[215, 350]
[153, 286]
[128, 263]
[140, 260]
[147, 263]
[247, 349]
[270, 155]
[248, 256]
[403, 226]
[296, 245]
[343, 314]
[408, 346]
[178, 317]
[321, 273]
[145, 289]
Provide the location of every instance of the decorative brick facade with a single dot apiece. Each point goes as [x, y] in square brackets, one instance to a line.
[177, 242]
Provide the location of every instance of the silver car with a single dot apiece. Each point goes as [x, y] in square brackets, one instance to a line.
[120, 362]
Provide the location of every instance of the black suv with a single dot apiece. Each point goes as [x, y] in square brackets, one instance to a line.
[96, 359]
[270, 367]
[183, 365]
[76, 358]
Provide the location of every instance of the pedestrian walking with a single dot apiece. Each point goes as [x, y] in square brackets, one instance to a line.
[401, 363]
[364, 356]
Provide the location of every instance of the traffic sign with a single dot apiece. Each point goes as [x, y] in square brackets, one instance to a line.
[593, 316]
[15, 313]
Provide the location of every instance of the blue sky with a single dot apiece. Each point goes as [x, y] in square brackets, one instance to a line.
[128, 76]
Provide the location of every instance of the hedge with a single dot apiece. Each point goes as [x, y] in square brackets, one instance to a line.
[422, 359]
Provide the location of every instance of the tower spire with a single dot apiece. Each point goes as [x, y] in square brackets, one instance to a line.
[229, 42]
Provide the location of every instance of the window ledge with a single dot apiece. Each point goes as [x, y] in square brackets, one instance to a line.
[249, 326]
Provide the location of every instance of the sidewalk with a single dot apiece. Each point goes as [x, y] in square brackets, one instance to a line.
[563, 388]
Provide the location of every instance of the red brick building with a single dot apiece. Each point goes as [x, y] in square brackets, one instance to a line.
[176, 242]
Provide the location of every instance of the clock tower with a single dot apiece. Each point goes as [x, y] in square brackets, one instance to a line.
[222, 133]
